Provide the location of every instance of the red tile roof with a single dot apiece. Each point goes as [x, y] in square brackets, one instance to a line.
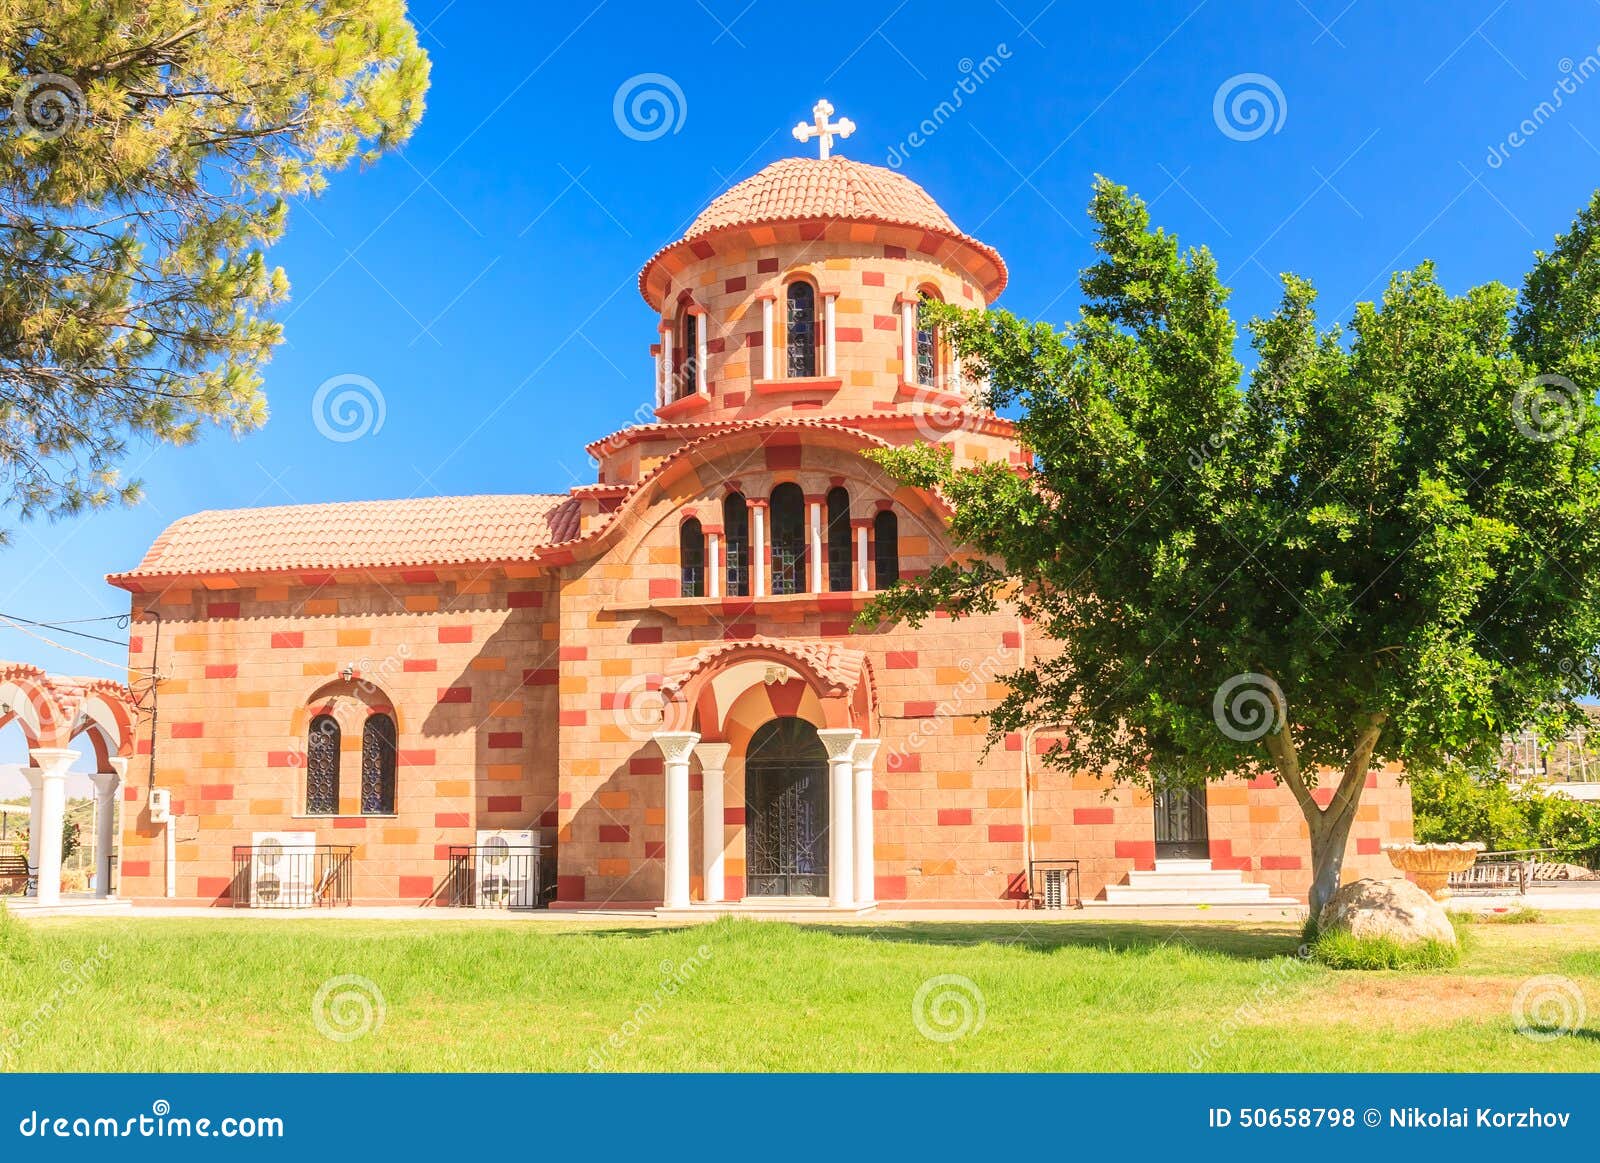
[360, 535]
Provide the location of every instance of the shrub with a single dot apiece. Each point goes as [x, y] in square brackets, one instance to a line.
[1339, 949]
[1453, 804]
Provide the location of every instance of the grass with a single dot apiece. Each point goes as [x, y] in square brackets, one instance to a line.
[236, 994]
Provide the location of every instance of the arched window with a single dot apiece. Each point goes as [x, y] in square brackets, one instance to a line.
[927, 347]
[801, 328]
[689, 377]
[886, 548]
[691, 559]
[788, 539]
[322, 766]
[839, 540]
[378, 756]
[736, 543]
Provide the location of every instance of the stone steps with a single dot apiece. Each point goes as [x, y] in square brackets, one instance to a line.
[1187, 883]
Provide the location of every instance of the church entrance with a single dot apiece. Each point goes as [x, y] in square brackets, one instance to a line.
[786, 811]
[1181, 827]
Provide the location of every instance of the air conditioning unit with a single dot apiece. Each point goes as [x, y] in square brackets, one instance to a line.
[507, 876]
[1055, 888]
[282, 865]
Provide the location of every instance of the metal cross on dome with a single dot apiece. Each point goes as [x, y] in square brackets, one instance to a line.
[822, 129]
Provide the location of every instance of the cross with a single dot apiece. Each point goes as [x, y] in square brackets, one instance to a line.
[822, 129]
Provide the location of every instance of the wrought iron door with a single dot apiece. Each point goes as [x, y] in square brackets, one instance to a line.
[786, 811]
[1181, 832]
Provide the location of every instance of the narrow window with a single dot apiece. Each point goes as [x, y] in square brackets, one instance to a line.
[692, 559]
[886, 548]
[689, 380]
[788, 539]
[378, 755]
[927, 347]
[839, 540]
[322, 766]
[736, 543]
[801, 330]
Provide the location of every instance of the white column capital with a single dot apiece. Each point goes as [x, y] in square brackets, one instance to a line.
[52, 762]
[713, 756]
[676, 746]
[839, 741]
[866, 750]
[106, 783]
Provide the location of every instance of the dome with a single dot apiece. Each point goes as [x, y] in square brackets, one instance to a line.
[801, 189]
[827, 190]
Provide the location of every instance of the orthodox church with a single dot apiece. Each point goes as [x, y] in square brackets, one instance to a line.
[652, 682]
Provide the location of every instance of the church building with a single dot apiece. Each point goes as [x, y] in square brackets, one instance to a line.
[655, 678]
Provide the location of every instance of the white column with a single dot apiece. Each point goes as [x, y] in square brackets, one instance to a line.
[866, 869]
[828, 361]
[676, 747]
[863, 579]
[841, 815]
[700, 355]
[713, 837]
[106, 785]
[815, 508]
[35, 814]
[758, 551]
[714, 565]
[52, 763]
[666, 364]
[766, 337]
[908, 342]
[661, 377]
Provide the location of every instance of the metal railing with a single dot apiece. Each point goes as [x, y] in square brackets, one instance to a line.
[1500, 871]
[1054, 884]
[499, 876]
[273, 876]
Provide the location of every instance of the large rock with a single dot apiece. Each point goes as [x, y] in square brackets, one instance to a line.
[1387, 908]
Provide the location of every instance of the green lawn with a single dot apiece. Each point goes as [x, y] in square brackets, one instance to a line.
[742, 995]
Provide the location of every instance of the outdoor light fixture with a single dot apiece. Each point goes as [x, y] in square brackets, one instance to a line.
[348, 673]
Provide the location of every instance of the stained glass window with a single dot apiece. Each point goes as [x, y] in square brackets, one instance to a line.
[691, 559]
[802, 329]
[689, 381]
[736, 543]
[788, 539]
[886, 548]
[927, 350]
[839, 573]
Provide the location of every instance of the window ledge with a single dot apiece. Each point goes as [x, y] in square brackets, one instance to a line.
[832, 601]
[798, 384]
[926, 395]
[684, 406]
[344, 816]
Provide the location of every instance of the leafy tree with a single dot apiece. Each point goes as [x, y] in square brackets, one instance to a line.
[1454, 803]
[147, 150]
[1379, 546]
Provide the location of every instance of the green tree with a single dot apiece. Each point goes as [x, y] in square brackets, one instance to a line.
[146, 155]
[1381, 545]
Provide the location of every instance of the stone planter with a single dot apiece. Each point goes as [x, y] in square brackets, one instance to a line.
[1432, 864]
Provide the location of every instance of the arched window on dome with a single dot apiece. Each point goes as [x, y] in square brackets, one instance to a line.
[839, 539]
[800, 328]
[886, 549]
[736, 544]
[689, 361]
[692, 559]
[788, 539]
[927, 342]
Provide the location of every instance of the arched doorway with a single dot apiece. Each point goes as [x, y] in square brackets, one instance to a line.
[786, 810]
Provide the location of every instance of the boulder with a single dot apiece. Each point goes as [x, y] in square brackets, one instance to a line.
[1395, 908]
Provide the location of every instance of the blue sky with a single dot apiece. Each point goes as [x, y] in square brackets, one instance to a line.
[483, 280]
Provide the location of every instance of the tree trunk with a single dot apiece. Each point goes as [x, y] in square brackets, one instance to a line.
[1329, 835]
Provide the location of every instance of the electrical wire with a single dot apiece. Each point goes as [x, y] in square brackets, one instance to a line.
[5, 620]
[62, 627]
